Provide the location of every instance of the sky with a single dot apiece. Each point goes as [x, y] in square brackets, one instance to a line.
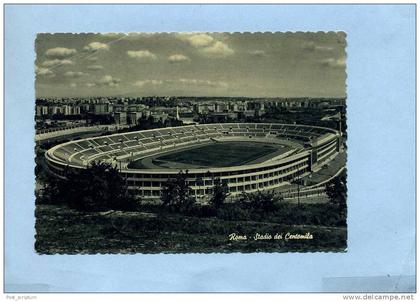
[191, 64]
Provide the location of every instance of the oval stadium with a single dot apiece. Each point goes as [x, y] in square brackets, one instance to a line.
[248, 157]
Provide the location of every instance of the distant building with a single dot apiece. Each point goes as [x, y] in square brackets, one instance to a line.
[201, 108]
[248, 113]
[102, 108]
[146, 113]
[41, 111]
[162, 117]
[118, 107]
[255, 106]
[133, 117]
[187, 118]
[85, 108]
[67, 110]
[222, 107]
[54, 110]
[222, 117]
[211, 107]
[234, 107]
[44, 110]
[76, 110]
[177, 113]
[135, 108]
[120, 117]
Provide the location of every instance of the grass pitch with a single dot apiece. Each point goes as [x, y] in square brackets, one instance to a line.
[220, 154]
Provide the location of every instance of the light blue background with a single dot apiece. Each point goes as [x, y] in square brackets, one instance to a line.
[381, 111]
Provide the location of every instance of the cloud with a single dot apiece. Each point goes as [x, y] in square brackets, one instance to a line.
[56, 62]
[324, 48]
[142, 83]
[177, 58]
[309, 46]
[207, 45]
[202, 82]
[95, 67]
[182, 81]
[112, 35]
[74, 74]
[141, 54]
[40, 71]
[134, 36]
[334, 63]
[59, 52]
[312, 46]
[95, 46]
[218, 49]
[73, 85]
[92, 58]
[257, 53]
[197, 40]
[105, 81]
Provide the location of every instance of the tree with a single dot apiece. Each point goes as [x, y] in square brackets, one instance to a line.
[53, 191]
[336, 190]
[99, 187]
[100, 119]
[145, 123]
[220, 192]
[177, 193]
[262, 201]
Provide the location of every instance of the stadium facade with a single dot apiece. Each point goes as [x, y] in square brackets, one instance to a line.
[309, 149]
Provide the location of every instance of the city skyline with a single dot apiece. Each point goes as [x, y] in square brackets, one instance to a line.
[191, 64]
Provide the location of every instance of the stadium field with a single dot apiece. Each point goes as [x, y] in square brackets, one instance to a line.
[220, 154]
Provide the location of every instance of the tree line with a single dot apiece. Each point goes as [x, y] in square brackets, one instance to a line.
[100, 187]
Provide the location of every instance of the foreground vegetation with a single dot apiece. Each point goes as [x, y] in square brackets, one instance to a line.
[91, 212]
[63, 230]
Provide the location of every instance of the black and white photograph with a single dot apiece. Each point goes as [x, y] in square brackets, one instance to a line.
[190, 142]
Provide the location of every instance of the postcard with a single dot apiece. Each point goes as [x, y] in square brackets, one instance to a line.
[190, 142]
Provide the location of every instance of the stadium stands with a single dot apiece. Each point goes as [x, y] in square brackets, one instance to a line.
[318, 146]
